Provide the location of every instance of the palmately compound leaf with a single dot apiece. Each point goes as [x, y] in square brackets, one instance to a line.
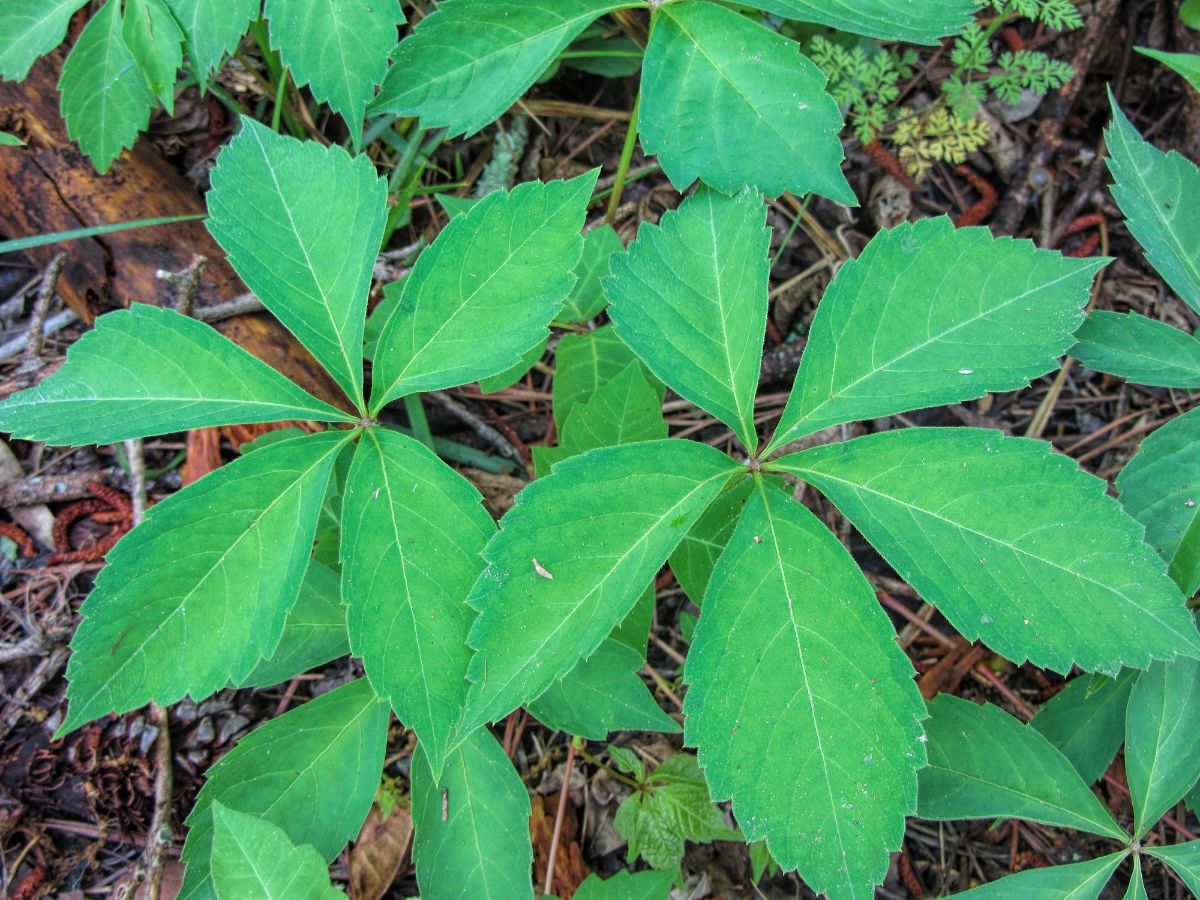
[1158, 194]
[471, 826]
[339, 48]
[314, 631]
[30, 28]
[156, 42]
[921, 22]
[587, 299]
[146, 370]
[255, 860]
[1162, 755]
[1142, 350]
[197, 594]
[585, 362]
[1086, 722]
[1160, 487]
[1078, 881]
[931, 314]
[212, 28]
[602, 693]
[573, 556]
[672, 806]
[302, 224]
[984, 764]
[626, 885]
[729, 102]
[470, 60]
[825, 703]
[312, 771]
[690, 299]
[1184, 859]
[412, 532]
[1014, 544]
[105, 99]
[485, 291]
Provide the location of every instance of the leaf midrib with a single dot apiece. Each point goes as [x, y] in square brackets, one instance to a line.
[914, 509]
[602, 581]
[1186, 260]
[783, 577]
[810, 415]
[352, 369]
[219, 561]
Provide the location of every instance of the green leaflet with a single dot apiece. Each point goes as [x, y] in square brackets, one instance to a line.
[1157, 193]
[1136, 889]
[571, 559]
[626, 885]
[1160, 487]
[916, 23]
[10, 140]
[690, 299]
[29, 28]
[1184, 859]
[1185, 65]
[147, 370]
[302, 224]
[587, 300]
[330, 749]
[412, 532]
[1162, 755]
[671, 807]
[1079, 881]
[727, 101]
[471, 827]
[931, 314]
[1144, 351]
[197, 594]
[339, 48]
[105, 99]
[696, 556]
[212, 28]
[984, 764]
[156, 43]
[626, 410]
[470, 60]
[484, 292]
[1013, 543]
[602, 693]
[1087, 726]
[825, 702]
[255, 860]
[314, 631]
[586, 361]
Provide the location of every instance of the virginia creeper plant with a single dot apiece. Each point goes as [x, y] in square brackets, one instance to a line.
[794, 677]
[799, 702]
[985, 764]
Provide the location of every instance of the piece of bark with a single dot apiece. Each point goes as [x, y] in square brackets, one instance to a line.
[49, 186]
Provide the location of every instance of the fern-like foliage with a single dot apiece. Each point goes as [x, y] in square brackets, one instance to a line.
[940, 135]
[1061, 15]
[863, 84]
[1028, 70]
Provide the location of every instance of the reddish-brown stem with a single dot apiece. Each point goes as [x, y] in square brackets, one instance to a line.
[558, 816]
